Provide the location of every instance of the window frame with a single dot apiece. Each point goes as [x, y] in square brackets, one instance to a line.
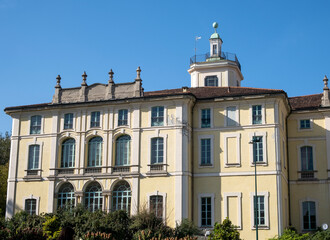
[311, 122]
[238, 149]
[264, 146]
[101, 152]
[216, 83]
[29, 198]
[306, 144]
[100, 197]
[164, 195]
[302, 215]
[263, 114]
[236, 116]
[130, 196]
[63, 122]
[62, 152]
[205, 195]
[211, 137]
[164, 116]
[129, 154]
[58, 195]
[118, 119]
[41, 124]
[266, 209]
[40, 158]
[201, 116]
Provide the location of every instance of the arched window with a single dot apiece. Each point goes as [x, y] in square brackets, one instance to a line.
[211, 81]
[95, 152]
[66, 198]
[68, 153]
[123, 150]
[93, 197]
[121, 197]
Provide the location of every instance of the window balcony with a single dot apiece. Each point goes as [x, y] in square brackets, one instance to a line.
[157, 169]
[307, 175]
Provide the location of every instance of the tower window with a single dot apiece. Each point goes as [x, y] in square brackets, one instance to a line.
[214, 50]
[211, 81]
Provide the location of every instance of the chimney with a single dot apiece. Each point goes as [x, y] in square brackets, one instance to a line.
[138, 84]
[82, 93]
[325, 97]
[58, 90]
[110, 91]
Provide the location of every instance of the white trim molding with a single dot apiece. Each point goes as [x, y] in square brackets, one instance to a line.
[32, 197]
[150, 115]
[311, 122]
[200, 116]
[264, 148]
[306, 144]
[236, 116]
[164, 195]
[157, 135]
[263, 113]
[116, 115]
[237, 136]
[42, 125]
[62, 119]
[40, 144]
[200, 137]
[238, 195]
[266, 204]
[88, 123]
[301, 218]
[200, 196]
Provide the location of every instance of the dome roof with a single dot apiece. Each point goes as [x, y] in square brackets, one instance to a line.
[215, 35]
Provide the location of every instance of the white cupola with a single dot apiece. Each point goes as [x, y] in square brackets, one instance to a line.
[216, 68]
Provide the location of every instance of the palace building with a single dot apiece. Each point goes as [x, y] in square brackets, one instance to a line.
[182, 153]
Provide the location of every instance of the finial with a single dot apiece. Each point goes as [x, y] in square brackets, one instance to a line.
[111, 76]
[325, 80]
[58, 78]
[138, 72]
[84, 76]
[215, 26]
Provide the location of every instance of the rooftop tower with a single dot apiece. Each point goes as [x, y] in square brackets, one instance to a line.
[216, 68]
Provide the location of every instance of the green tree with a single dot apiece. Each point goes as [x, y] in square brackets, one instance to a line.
[4, 161]
[4, 148]
[224, 231]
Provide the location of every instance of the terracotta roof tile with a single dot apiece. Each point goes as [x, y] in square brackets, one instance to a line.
[305, 102]
[214, 92]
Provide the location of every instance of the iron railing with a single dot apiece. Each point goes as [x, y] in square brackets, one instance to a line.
[223, 56]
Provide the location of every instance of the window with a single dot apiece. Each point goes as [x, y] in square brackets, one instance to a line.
[211, 81]
[31, 206]
[214, 49]
[93, 197]
[256, 114]
[68, 153]
[157, 116]
[34, 153]
[95, 152]
[258, 155]
[231, 116]
[206, 118]
[123, 150]
[68, 121]
[309, 215]
[95, 119]
[35, 127]
[206, 212]
[259, 210]
[206, 151]
[122, 117]
[157, 150]
[307, 168]
[305, 124]
[121, 197]
[156, 205]
[66, 197]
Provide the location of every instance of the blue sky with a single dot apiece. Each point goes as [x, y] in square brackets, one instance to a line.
[280, 44]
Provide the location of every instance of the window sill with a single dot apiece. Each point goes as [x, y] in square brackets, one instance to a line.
[228, 165]
[259, 164]
[205, 166]
[264, 227]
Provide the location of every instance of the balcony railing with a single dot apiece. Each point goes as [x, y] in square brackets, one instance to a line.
[121, 169]
[63, 171]
[157, 167]
[93, 170]
[307, 175]
[222, 56]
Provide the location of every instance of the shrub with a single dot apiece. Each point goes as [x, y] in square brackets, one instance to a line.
[224, 231]
[291, 234]
[186, 228]
[52, 228]
[98, 236]
[321, 235]
[29, 234]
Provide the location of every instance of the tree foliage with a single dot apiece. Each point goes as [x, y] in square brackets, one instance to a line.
[224, 231]
[4, 148]
[4, 161]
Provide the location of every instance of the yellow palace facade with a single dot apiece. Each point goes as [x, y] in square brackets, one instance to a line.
[181, 153]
